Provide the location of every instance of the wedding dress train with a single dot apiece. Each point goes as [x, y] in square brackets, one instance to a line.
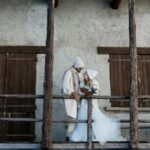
[104, 128]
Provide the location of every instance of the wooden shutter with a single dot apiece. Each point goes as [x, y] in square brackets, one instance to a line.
[20, 76]
[144, 79]
[120, 78]
[2, 90]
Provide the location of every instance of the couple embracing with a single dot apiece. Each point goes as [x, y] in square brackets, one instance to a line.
[75, 84]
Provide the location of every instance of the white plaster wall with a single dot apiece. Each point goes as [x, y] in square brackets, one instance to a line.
[22, 22]
[80, 26]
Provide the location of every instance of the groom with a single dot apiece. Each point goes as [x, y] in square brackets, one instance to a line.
[71, 81]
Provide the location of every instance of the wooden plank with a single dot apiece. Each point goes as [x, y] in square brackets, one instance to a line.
[20, 106]
[96, 145]
[114, 81]
[143, 96]
[20, 119]
[70, 145]
[145, 146]
[126, 109]
[126, 78]
[120, 79]
[15, 146]
[48, 81]
[2, 87]
[133, 86]
[89, 125]
[119, 76]
[57, 97]
[145, 79]
[115, 4]
[23, 49]
[113, 145]
[122, 50]
[145, 123]
[20, 96]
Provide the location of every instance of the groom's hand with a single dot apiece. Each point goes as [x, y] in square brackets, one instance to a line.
[76, 96]
[86, 91]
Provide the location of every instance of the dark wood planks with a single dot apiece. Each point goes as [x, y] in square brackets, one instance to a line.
[144, 79]
[119, 78]
[19, 79]
[2, 90]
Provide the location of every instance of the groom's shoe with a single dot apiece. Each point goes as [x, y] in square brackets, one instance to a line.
[67, 139]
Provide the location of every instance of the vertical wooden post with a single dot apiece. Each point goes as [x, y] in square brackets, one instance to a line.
[89, 127]
[48, 83]
[133, 86]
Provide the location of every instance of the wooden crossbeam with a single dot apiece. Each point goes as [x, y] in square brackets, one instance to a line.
[89, 125]
[71, 145]
[27, 146]
[22, 96]
[122, 50]
[115, 4]
[23, 49]
[56, 3]
[56, 97]
[60, 121]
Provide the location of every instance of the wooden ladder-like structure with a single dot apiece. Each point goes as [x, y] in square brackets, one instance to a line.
[48, 96]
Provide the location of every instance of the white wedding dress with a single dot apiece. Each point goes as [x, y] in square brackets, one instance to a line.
[104, 128]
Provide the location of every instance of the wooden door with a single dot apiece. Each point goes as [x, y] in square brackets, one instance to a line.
[20, 77]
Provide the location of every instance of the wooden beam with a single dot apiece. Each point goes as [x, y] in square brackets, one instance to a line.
[57, 97]
[6, 146]
[115, 4]
[122, 50]
[89, 125]
[56, 3]
[23, 49]
[70, 145]
[48, 82]
[133, 86]
[60, 121]
[96, 145]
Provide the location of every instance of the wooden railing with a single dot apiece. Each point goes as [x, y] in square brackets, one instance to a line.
[88, 121]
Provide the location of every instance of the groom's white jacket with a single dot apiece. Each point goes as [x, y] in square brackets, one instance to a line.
[71, 83]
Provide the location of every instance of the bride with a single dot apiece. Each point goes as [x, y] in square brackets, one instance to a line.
[104, 128]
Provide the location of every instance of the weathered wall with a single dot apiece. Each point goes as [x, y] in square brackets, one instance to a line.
[80, 26]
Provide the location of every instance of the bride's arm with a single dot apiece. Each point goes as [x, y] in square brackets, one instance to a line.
[95, 88]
